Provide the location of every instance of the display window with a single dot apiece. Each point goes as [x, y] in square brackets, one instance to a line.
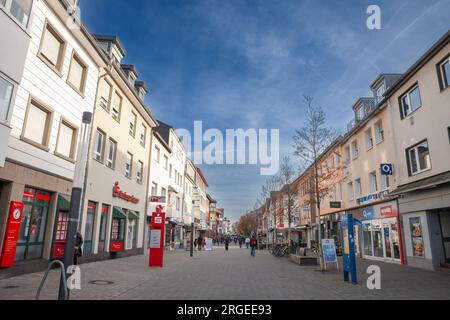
[33, 226]
[61, 227]
[89, 227]
[381, 239]
[118, 230]
[103, 228]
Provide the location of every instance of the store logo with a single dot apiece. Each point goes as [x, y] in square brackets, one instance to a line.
[117, 193]
[16, 214]
[374, 20]
[374, 281]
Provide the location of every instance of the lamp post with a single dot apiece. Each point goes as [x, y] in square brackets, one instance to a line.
[75, 200]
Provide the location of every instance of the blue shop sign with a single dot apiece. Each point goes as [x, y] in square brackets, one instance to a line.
[368, 213]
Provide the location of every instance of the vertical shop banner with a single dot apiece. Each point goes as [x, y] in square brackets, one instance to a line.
[349, 258]
[417, 237]
[157, 238]
[11, 235]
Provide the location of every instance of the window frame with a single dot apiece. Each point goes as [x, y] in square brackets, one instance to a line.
[114, 160]
[444, 83]
[379, 133]
[140, 173]
[102, 154]
[130, 174]
[355, 150]
[370, 142]
[408, 159]
[408, 95]
[13, 88]
[119, 113]
[132, 130]
[7, 9]
[110, 96]
[81, 91]
[48, 124]
[73, 146]
[62, 51]
[143, 137]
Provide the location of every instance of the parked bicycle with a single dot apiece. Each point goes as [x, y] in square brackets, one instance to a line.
[280, 250]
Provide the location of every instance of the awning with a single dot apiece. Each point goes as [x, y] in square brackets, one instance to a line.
[427, 183]
[118, 213]
[63, 202]
[133, 215]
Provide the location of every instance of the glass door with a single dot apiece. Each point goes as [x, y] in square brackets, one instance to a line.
[445, 228]
[33, 226]
[103, 228]
[89, 231]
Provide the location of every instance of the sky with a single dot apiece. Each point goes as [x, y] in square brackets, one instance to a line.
[247, 64]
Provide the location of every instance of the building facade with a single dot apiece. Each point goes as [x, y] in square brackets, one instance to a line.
[58, 84]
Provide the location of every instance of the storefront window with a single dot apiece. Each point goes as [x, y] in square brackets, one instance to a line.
[377, 240]
[89, 231]
[367, 229]
[103, 225]
[32, 229]
[131, 233]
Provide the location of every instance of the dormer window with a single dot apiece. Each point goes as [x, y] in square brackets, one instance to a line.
[141, 94]
[132, 79]
[360, 113]
[379, 92]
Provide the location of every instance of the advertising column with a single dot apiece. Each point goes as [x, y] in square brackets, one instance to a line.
[11, 234]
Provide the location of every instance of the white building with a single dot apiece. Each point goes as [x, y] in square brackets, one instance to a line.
[59, 83]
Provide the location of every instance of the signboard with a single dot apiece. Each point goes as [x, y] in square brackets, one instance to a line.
[11, 235]
[116, 246]
[335, 205]
[387, 169]
[117, 193]
[157, 199]
[209, 244]
[417, 237]
[329, 251]
[157, 238]
[368, 213]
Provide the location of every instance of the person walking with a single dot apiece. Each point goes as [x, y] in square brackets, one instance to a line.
[247, 242]
[240, 243]
[78, 253]
[204, 244]
[227, 243]
[199, 243]
[253, 245]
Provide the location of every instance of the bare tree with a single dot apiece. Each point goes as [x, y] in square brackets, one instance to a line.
[289, 192]
[310, 142]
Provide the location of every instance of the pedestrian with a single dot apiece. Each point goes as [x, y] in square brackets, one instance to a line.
[195, 244]
[204, 244]
[254, 245]
[247, 242]
[199, 243]
[240, 243]
[78, 253]
[227, 243]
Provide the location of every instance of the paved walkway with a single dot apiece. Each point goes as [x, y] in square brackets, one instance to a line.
[232, 275]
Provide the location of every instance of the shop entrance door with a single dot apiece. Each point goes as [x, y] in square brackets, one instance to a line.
[32, 229]
[445, 231]
[89, 231]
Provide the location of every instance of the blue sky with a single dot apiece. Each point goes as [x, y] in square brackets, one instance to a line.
[247, 63]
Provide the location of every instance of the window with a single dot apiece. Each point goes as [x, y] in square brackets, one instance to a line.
[176, 176]
[419, 159]
[140, 172]
[379, 132]
[6, 90]
[19, 9]
[105, 94]
[350, 192]
[379, 92]
[448, 131]
[116, 106]
[52, 48]
[178, 203]
[99, 145]
[347, 154]
[355, 150]
[132, 79]
[77, 75]
[157, 155]
[339, 195]
[129, 166]
[67, 140]
[444, 70]
[373, 182]
[170, 171]
[133, 121]
[360, 114]
[112, 153]
[154, 189]
[410, 102]
[163, 193]
[369, 139]
[143, 135]
[358, 188]
[36, 129]
[166, 162]
[385, 184]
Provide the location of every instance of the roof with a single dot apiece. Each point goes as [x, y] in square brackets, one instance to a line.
[202, 176]
[444, 40]
[163, 130]
[381, 77]
[141, 84]
[130, 67]
[426, 183]
[113, 39]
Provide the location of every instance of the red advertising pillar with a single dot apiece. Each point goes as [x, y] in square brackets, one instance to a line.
[157, 238]
[11, 235]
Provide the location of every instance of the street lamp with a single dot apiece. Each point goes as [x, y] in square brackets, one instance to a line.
[75, 200]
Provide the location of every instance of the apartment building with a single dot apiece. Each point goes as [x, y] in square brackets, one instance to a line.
[420, 113]
[175, 192]
[212, 217]
[115, 202]
[188, 200]
[200, 203]
[15, 39]
[58, 84]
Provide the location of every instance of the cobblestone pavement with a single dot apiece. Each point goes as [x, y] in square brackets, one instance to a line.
[233, 275]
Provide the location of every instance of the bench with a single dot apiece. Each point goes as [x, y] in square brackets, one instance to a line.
[304, 261]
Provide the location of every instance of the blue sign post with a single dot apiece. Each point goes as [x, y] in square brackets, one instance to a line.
[349, 248]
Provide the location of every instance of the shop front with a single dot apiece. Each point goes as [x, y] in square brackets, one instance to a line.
[61, 227]
[379, 232]
[117, 241]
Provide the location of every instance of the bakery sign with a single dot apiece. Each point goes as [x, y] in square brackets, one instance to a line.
[117, 193]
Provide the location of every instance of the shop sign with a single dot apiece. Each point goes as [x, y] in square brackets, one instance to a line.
[335, 205]
[117, 193]
[157, 199]
[387, 212]
[368, 213]
[11, 235]
[116, 246]
[329, 251]
[157, 238]
[387, 169]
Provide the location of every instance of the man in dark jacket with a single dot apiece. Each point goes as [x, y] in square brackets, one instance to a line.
[253, 245]
[78, 251]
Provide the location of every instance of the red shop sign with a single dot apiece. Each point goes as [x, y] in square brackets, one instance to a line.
[116, 246]
[117, 193]
[387, 212]
[11, 235]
